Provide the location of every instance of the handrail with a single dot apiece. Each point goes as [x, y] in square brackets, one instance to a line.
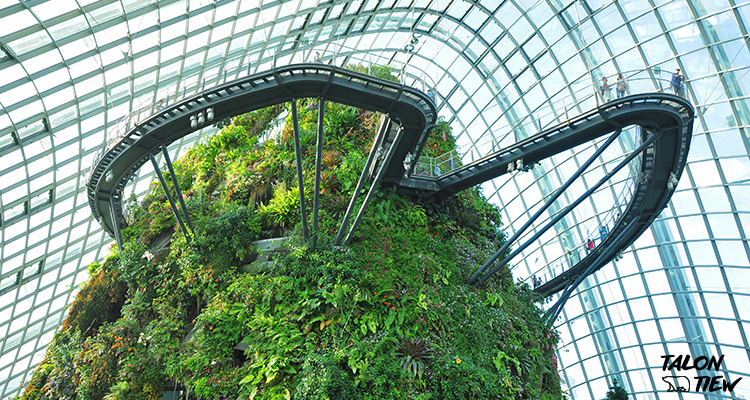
[611, 216]
[564, 262]
[667, 118]
[566, 108]
[413, 109]
[421, 76]
[436, 166]
[649, 189]
[192, 85]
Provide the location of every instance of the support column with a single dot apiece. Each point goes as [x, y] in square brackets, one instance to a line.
[169, 197]
[177, 190]
[318, 160]
[115, 223]
[567, 210]
[555, 310]
[375, 184]
[385, 125]
[546, 205]
[298, 157]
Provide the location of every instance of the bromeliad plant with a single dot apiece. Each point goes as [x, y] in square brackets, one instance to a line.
[413, 354]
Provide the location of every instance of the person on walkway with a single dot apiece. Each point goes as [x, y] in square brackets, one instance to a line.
[676, 83]
[604, 89]
[622, 86]
[589, 246]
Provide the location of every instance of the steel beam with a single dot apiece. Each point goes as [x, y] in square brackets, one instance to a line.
[546, 205]
[116, 223]
[384, 126]
[555, 310]
[375, 184]
[298, 156]
[177, 190]
[570, 208]
[169, 197]
[318, 160]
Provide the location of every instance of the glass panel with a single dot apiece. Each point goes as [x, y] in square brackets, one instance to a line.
[68, 27]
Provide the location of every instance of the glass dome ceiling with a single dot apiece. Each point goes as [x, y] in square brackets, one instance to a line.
[72, 70]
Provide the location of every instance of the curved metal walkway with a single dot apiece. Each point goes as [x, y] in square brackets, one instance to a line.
[658, 111]
[414, 111]
[666, 122]
[662, 163]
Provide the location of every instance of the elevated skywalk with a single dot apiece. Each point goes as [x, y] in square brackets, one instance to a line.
[412, 110]
[657, 110]
[666, 121]
[661, 165]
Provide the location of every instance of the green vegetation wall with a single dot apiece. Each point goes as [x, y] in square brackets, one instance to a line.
[389, 317]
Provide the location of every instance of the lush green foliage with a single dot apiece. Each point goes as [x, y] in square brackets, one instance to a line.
[441, 140]
[389, 317]
[98, 302]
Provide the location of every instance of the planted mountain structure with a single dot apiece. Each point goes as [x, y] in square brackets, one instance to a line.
[203, 313]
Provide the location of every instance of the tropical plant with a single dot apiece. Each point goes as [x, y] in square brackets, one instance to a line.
[413, 353]
[329, 182]
[329, 322]
[282, 210]
[331, 158]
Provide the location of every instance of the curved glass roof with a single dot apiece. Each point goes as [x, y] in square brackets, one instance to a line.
[73, 71]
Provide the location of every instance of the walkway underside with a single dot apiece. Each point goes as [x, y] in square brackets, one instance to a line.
[668, 116]
[411, 109]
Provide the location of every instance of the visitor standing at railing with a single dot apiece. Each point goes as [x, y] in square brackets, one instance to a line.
[604, 89]
[676, 83]
[622, 86]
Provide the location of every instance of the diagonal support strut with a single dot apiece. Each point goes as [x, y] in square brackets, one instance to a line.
[169, 196]
[384, 126]
[116, 223]
[298, 157]
[375, 184]
[556, 309]
[568, 209]
[177, 190]
[546, 205]
[318, 160]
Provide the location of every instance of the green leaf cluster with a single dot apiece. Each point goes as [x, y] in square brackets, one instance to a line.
[388, 317]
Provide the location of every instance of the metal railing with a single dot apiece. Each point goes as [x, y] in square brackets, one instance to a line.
[586, 97]
[407, 73]
[596, 232]
[582, 96]
[195, 84]
[436, 166]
